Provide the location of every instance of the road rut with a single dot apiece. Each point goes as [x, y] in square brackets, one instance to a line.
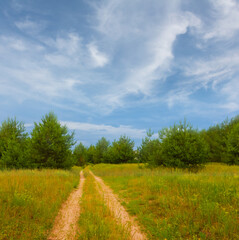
[65, 225]
[119, 211]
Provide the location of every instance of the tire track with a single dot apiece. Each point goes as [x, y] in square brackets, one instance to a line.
[65, 225]
[118, 210]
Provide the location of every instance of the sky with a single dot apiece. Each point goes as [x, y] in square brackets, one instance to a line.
[119, 67]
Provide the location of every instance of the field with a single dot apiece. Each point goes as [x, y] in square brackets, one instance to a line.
[178, 205]
[165, 203]
[30, 200]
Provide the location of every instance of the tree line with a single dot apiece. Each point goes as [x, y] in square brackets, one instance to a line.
[50, 145]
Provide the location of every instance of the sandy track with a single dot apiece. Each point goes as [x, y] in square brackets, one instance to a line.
[65, 225]
[119, 211]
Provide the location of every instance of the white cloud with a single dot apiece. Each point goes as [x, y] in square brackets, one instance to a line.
[146, 40]
[99, 58]
[58, 60]
[106, 130]
[138, 39]
[218, 73]
[224, 23]
[71, 44]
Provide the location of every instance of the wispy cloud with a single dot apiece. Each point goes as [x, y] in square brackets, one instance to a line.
[148, 42]
[225, 20]
[30, 27]
[99, 59]
[106, 130]
[127, 58]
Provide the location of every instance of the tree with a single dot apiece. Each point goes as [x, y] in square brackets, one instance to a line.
[51, 144]
[79, 155]
[182, 146]
[233, 145]
[121, 151]
[217, 139]
[101, 150]
[150, 150]
[13, 145]
[90, 154]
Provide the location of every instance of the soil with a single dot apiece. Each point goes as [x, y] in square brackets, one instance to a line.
[65, 225]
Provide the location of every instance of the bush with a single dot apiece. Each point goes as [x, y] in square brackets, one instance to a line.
[51, 144]
[182, 147]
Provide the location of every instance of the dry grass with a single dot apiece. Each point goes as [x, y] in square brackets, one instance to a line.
[30, 200]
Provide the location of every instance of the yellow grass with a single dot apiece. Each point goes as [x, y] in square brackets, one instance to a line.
[30, 200]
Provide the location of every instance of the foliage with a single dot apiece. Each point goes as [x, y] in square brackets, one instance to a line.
[182, 146]
[233, 145]
[79, 155]
[51, 144]
[121, 151]
[101, 149]
[13, 145]
[217, 139]
[150, 150]
[90, 156]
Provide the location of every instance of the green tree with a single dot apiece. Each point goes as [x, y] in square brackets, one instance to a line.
[150, 150]
[90, 154]
[101, 149]
[182, 146]
[79, 155]
[233, 145]
[217, 139]
[13, 145]
[51, 144]
[121, 151]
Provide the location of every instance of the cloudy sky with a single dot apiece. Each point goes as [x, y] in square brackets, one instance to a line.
[113, 67]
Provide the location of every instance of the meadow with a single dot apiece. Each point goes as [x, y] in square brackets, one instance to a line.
[176, 204]
[30, 201]
[166, 203]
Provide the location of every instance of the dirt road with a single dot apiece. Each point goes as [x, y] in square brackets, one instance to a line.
[119, 211]
[65, 226]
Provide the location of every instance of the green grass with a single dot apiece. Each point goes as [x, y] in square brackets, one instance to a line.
[96, 222]
[30, 201]
[177, 204]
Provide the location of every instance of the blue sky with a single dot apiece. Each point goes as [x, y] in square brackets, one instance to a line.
[113, 67]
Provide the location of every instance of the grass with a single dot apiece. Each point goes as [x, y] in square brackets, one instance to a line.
[96, 222]
[177, 204]
[30, 201]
